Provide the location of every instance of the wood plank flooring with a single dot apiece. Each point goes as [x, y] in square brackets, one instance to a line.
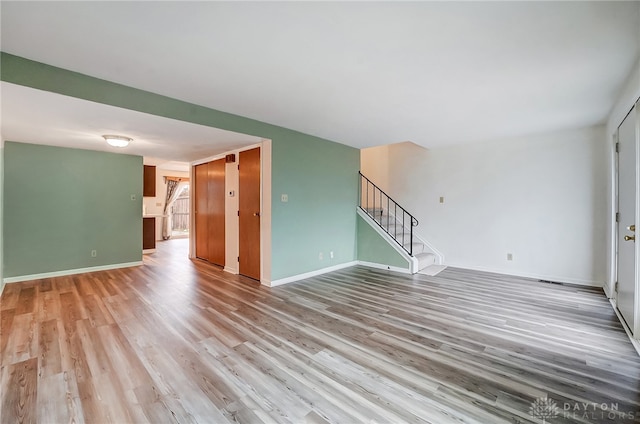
[182, 341]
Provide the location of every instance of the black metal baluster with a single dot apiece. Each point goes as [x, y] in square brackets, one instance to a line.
[403, 229]
[370, 207]
[388, 214]
[411, 238]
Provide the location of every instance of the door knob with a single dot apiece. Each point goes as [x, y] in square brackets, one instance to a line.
[629, 238]
[256, 214]
[631, 228]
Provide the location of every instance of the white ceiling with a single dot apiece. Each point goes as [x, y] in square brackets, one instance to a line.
[41, 117]
[359, 73]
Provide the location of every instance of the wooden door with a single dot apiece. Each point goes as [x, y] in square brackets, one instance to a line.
[202, 211]
[216, 207]
[249, 212]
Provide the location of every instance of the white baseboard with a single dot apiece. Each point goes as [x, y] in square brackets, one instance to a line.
[385, 267]
[315, 273]
[635, 342]
[554, 278]
[70, 272]
[230, 270]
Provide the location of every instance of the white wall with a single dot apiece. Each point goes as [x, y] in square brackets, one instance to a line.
[374, 164]
[542, 199]
[232, 223]
[626, 99]
[155, 205]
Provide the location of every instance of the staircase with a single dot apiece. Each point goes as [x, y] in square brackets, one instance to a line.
[395, 224]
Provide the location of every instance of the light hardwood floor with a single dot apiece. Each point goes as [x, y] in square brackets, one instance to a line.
[181, 341]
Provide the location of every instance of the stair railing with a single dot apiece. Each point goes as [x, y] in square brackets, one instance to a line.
[373, 202]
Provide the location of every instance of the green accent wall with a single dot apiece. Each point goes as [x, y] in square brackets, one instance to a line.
[373, 248]
[1, 212]
[321, 181]
[320, 176]
[64, 203]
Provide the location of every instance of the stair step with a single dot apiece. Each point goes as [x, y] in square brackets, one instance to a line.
[401, 233]
[397, 230]
[417, 248]
[391, 227]
[384, 220]
[425, 259]
[375, 212]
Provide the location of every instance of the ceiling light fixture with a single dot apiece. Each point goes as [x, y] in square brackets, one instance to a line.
[117, 140]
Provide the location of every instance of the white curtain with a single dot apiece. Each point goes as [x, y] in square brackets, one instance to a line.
[173, 191]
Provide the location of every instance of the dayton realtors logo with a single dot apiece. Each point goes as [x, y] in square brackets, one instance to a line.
[545, 409]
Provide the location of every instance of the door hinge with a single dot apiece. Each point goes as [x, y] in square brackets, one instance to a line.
[617, 147]
[615, 287]
[238, 213]
[617, 216]
[238, 259]
[238, 167]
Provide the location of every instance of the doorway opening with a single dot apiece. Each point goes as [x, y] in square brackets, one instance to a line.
[180, 223]
[231, 209]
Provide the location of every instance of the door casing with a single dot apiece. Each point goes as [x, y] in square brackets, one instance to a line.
[634, 325]
[232, 229]
[627, 176]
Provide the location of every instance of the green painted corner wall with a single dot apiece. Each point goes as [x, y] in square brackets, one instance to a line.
[64, 203]
[321, 181]
[319, 175]
[1, 214]
[373, 248]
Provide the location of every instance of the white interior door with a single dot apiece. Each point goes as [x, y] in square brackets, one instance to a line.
[627, 208]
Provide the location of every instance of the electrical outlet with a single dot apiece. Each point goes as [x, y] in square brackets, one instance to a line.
[320, 256]
[509, 256]
[94, 253]
[331, 254]
[133, 197]
[284, 198]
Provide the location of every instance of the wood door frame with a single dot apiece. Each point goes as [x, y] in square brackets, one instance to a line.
[265, 204]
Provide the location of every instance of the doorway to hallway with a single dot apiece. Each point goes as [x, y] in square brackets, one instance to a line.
[180, 214]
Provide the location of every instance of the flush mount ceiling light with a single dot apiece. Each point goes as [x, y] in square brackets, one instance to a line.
[117, 140]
